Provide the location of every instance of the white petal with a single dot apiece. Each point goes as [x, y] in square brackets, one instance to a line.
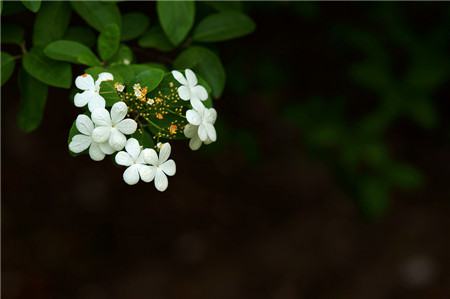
[81, 99]
[193, 117]
[106, 148]
[199, 92]
[164, 153]
[211, 116]
[96, 102]
[150, 156]
[179, 77]
[79, 143]
[85, 82]
[147, 173]
[190, 77]
[118, 112]
[197, 105]
[95, 152]
[211, 131]
[161, 182]
[101, 134]
[124, 159]
[105, 76]
[184, 93]
[169, 167]
[84, 124]
[117, 140]
[190, 131]
[127, 126]
[131, 174]
[195, 143]
[133, 148]
[101, 117]
[202, 134]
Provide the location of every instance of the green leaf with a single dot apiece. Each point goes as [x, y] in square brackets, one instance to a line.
[156, 39]
[108, 41]
[133, 25]
[70, 51]
[12, 34]
[11, 8]
[51, 22]
[8, 64]
[150, 78]
[32, 5]
[207, 64]
[404, 176]
[51, 72]
[33, 96]
[123, 56]
[223, 26]
[176, 19]
[84, 35]
[109, 93]
[98, 14]
[373, 197]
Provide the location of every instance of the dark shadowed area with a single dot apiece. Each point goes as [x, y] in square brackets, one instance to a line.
[293, 201]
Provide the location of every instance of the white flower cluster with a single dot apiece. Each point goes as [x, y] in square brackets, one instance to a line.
[105, 132]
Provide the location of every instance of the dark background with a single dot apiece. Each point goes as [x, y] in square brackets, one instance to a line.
[269, 211]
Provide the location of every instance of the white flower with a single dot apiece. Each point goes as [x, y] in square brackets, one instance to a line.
[133, 158]
[160, 165]
[91, 89]
[119, 86]
[189, 90]
[204, 118]
[191, 132]
[111, 128]
[84, 140]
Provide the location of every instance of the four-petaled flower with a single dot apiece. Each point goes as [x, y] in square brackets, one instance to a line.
[113, 128]
[189, 90]
[91, 89]
[160, 165]
[204, 118]
[133, 159]
[81, 142]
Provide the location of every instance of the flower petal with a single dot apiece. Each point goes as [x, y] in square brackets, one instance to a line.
[211, 116]
[117, 140]
[127, 126]
[84, 124]
[195, 143]
[169, 167]
[197, 105]
[96, 102]
[211, 131]
[106, 148]
[103, 77]
[81, 99]
[124, 159]
[133, 148]
[202, 134]
[184, 93]
[199, 92]
[193, 117]
[161, 181]
[164, 153]
[147, 173]
[190, 131]
[191, 77]
[150, 156]
[79, 143]
[95, 152]
[85, 82]
[101, 134]
[179, 77]
[101, 117]
[118, 112]
[131, 174]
